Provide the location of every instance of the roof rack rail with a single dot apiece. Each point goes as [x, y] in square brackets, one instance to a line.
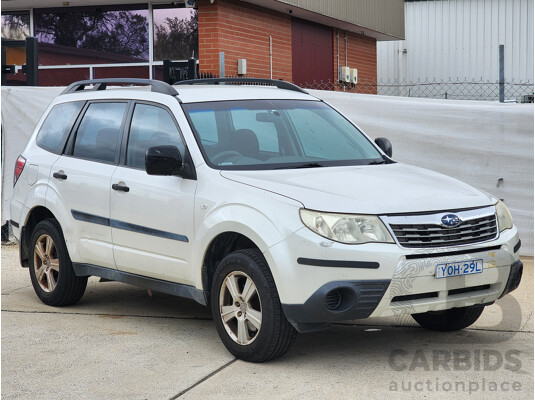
[101, 84]
[271, 82]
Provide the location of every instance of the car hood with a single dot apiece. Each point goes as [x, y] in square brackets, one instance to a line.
[366, 189]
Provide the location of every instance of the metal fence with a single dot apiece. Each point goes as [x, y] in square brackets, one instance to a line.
[458, 90]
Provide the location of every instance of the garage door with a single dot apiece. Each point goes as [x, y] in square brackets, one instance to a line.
[312, 52]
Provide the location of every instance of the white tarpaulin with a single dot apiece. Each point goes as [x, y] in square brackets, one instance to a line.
[488, 145]
[22, 108]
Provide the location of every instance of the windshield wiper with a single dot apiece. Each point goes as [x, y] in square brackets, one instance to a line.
[376, 162]
[305, 165]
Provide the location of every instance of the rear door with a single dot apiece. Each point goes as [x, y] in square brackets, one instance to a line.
[81, 181]
[152, 216]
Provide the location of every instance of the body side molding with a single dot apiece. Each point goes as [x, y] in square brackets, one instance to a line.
[95, 219]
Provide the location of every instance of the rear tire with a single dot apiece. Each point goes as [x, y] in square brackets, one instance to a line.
[449, 320]
[246, 308]
[53, 277]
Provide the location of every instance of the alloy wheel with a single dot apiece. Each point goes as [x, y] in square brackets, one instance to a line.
[46, 263]
[240, 308]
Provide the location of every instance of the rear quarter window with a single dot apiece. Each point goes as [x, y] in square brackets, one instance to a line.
[54, 131]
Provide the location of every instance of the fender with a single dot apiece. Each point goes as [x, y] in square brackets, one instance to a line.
[263, 230]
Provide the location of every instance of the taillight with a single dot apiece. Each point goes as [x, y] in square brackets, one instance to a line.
[19, 166]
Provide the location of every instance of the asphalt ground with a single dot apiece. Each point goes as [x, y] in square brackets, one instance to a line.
[120, 343]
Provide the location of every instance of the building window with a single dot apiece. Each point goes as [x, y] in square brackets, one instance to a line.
[92, 35]
[175, 33]
[78, 43]
[16, 25]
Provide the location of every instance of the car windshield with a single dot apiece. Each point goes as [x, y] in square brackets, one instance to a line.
[277, 134]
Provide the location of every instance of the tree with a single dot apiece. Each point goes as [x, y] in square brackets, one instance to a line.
[15, 26]
[119, 32]
[177, 39]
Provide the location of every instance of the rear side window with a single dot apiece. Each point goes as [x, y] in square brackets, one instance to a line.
[98, 132]
[57, 125]
[151, 126]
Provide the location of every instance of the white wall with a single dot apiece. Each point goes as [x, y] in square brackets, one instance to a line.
[456, 40]
[477, 142]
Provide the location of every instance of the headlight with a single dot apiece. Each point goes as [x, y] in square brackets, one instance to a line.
[346, 228]
[505, 220]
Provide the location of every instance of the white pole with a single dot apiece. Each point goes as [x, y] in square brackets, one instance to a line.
[346, 49]
[270, 57]
[338, 54]
[151, 39]
[31, 21]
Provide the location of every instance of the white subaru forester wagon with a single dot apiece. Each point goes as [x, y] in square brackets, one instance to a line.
[256, 199]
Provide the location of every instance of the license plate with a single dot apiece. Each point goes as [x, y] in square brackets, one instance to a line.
[459, 268]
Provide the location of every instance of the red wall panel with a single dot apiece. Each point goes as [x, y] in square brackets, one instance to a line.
[312, 52]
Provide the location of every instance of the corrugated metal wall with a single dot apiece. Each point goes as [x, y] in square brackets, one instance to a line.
[454, 40]
[385, 16]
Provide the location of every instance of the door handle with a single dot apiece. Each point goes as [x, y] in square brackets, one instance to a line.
[122, 188]
[59, 175]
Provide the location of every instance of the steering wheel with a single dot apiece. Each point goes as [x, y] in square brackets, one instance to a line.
[224, 155]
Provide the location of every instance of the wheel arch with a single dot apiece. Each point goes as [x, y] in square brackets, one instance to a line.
[219, 247]
[34, 216]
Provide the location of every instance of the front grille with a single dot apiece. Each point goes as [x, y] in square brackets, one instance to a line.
[430, 235]
[418, 296]
[468, 289]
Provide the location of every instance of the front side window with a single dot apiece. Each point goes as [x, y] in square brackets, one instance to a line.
[273, 134]
[57, 125]
[151, 126]
[98, 133]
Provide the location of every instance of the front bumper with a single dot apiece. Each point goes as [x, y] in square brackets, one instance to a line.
[336, 301]
[379, 280]
[514, 278]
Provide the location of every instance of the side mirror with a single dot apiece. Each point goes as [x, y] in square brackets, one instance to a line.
[163, 160]
[385, 145]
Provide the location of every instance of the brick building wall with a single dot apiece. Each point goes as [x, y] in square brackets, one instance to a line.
[361, 54]
[242, 30]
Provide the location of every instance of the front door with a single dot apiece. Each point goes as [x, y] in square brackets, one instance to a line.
[152, 216]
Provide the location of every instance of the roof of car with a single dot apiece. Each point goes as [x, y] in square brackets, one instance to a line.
[194, 94]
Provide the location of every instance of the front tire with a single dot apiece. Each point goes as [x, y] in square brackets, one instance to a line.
[449, 320]
[247, 311]
[51, 272]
